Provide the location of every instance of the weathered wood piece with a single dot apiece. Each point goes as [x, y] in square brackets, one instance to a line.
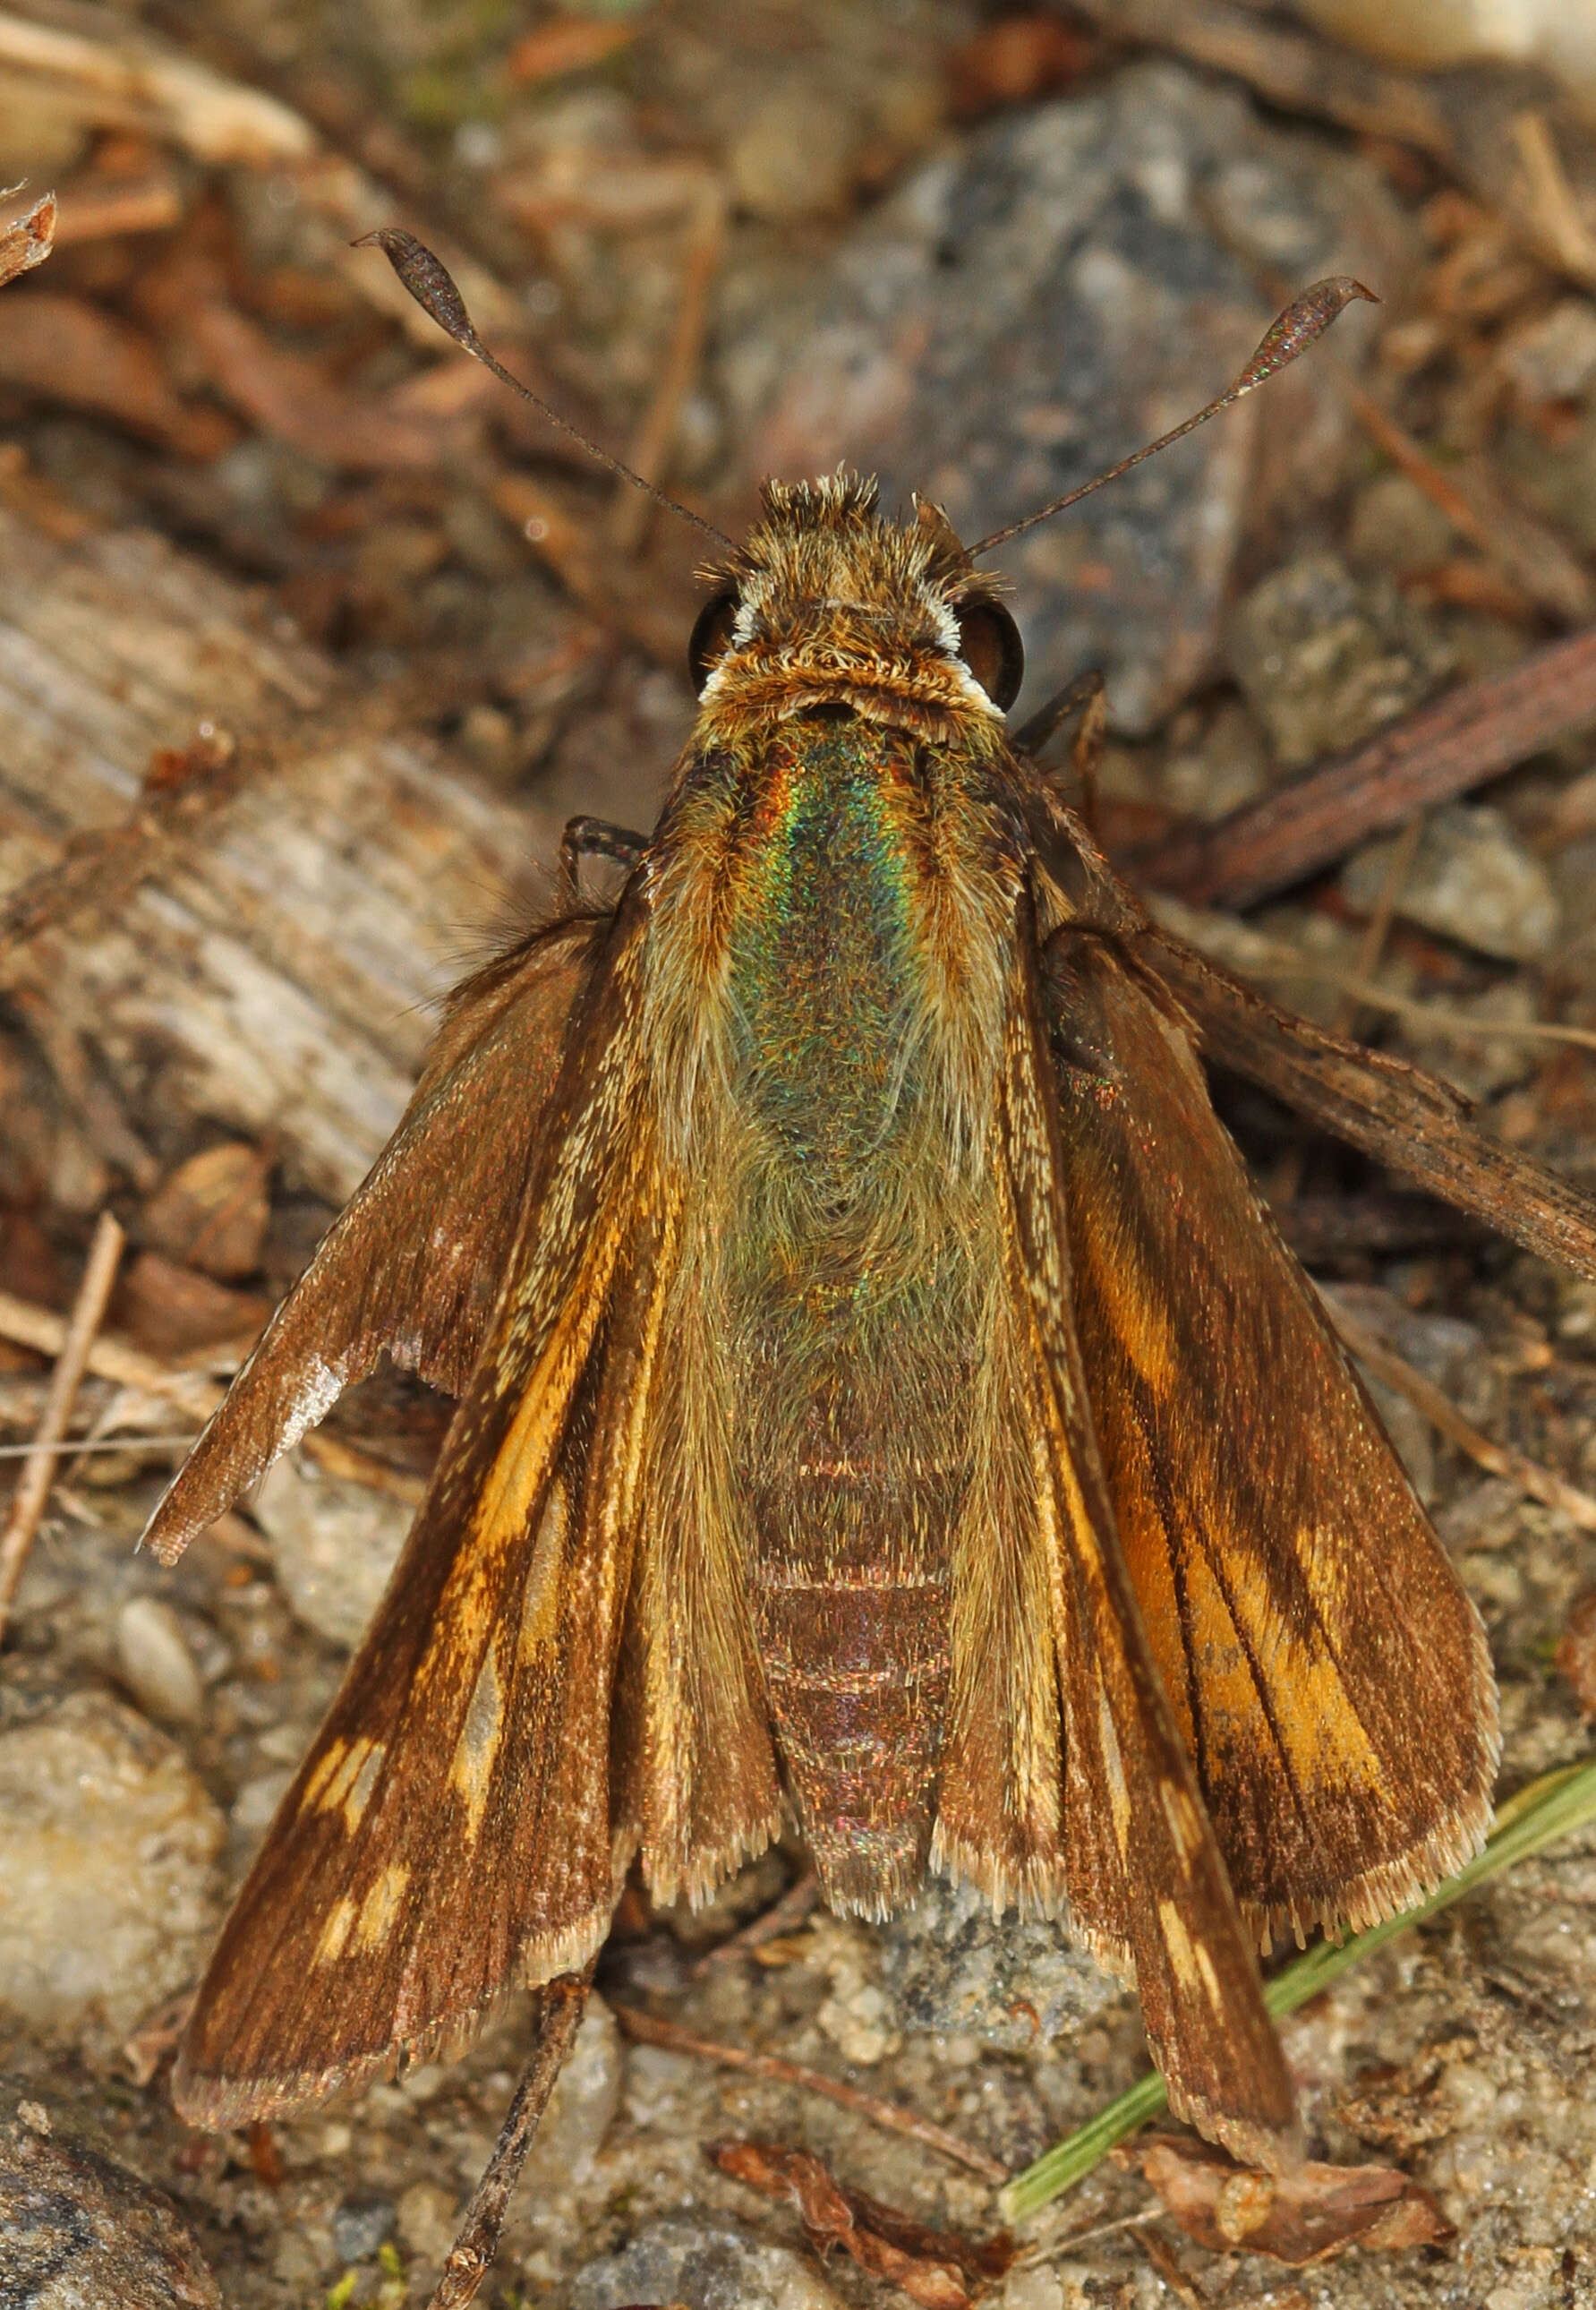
[269, 963]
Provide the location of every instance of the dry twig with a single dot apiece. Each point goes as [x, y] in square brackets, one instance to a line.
[779, 1918]
[38, 1469]
[1430, 757]
[42, 1329]
[650, 446]
[645, 2031]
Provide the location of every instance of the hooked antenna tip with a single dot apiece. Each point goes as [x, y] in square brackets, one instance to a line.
[1290, 333]
[431, 284]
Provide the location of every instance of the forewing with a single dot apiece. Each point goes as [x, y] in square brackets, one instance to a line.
[414, 1263]
[1330, 1676]
[1146, 1881]
[450, 1832]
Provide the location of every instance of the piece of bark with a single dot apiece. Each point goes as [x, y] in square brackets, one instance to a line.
[1308, 2214]
[27, 240]
[1576, 1651]
[124, 80]
[65, 350]
[273, 971]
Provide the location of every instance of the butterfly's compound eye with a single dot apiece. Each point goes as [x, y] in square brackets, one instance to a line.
[989, 644]
[711, 637]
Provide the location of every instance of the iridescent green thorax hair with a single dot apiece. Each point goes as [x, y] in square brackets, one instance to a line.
[829, 601]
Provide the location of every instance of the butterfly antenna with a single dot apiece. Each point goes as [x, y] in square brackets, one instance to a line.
[1304, 320]
[431, 283]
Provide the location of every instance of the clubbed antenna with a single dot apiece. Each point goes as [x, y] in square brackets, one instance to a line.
[430, 282]
[1304, 320]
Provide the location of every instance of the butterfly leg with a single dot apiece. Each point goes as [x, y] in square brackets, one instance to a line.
[559, 2017]
[594, 837]
[1087, 696]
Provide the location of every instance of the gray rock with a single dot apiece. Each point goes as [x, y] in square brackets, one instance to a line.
[1324, 658]
[1228, 767]
[429, 2217]
[948, 1969]
[582, 2106]
[78, 2232]
[1482, 1065]
[108, 1878]
[334, 1544]
[1471, 880]
[360, 2225]
[709, 2263]
[1013, 321]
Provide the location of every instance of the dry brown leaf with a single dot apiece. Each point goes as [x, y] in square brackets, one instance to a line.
[28, 241]
[940, 2269]
[1015, 61]
[568, 43]
[169, 1310]
[68, 352]
[213, 1213]
[1576, 1654]
[1308, 2215]
[100, 204]
[291, 397]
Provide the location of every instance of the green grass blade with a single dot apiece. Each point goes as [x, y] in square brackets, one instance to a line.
[1549, 1808]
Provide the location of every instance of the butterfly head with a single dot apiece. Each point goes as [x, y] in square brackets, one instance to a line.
[828, 603]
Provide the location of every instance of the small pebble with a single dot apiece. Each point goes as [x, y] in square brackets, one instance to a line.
[1471, 880]
[1396, 528]
[1033, 2289]
[334, 1544]
[1554, 357]
[155, 1661]
[707, 2264]
[858, 2016]
[794, 158]
[360, 2225]
[1324, 658]
[108, 1883]
[428, 2219]
[1228, 767]
[1557, 476]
